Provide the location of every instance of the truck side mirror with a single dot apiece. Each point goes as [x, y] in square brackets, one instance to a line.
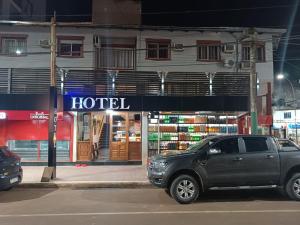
[214, 151]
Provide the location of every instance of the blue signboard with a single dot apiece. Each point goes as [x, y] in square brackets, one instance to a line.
[294, 126]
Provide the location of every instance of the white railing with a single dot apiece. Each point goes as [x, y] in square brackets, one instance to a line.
[115, 58]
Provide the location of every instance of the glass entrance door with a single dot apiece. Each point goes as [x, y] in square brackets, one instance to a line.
[119, 136]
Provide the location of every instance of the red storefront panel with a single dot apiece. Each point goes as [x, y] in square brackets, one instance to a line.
[20, 126]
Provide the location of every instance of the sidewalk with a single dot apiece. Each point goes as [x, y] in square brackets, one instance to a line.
[88, 177]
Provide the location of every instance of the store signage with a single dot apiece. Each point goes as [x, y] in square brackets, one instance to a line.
[2, 115]
[294, 126]
[99, 103]
[39, 116]
[155, 103]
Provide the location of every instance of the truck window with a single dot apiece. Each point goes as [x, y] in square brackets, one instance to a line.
[256, 144]
[287, 145]
[228, 146]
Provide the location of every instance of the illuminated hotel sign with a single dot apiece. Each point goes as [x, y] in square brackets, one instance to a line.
[92, 103]
[99, 103]
[2, 115]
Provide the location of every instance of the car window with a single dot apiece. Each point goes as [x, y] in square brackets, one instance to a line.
[287, 145]
[256, 144]
[228, 146]
[200, 145]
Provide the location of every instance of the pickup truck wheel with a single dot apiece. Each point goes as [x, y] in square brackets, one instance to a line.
[184, 189]
[293, 187]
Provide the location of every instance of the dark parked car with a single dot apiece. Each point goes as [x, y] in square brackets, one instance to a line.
[11, 172]
[226, 163]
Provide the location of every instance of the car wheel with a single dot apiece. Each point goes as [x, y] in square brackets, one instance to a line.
[293, 187]
[184, 189]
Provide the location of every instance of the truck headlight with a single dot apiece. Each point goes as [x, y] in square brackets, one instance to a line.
[160, 164]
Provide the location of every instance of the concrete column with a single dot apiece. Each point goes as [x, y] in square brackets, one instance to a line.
[75, 137]
[144, 138]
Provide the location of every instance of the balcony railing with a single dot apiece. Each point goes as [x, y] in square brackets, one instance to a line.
[129, 83]
[115, 58]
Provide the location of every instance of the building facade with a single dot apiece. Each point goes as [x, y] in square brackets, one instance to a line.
[128, 92]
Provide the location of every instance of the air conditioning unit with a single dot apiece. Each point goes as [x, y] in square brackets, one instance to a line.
[44, 43]
[228, 48]
[245, 65]
[97, 41]
[229, 63]
[177, 47]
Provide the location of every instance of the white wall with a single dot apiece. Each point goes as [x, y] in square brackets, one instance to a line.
[42, 59]
[185, 61]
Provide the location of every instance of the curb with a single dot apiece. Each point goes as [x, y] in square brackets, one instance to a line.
[85, 184]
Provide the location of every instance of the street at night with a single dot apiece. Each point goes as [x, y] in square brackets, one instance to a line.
[135, 112]
[143, 206]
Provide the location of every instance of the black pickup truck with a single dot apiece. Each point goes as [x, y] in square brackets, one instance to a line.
[226, 163]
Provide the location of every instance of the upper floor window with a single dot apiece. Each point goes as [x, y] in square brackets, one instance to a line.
[158, 49]
[208, 50]
[260, 52]
[70, 46]
[287, 115]
[15, 45]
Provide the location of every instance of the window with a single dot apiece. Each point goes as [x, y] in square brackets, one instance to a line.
[260, 52]
[158, 49]
[287, 145]
[70, 46]
[287, 115]
[228, 146]
[256, 144]
[209, 50]
[14, 46]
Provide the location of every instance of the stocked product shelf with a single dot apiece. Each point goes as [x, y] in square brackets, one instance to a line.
[178, 132]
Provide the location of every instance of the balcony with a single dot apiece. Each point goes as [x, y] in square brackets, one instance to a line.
[115, 58]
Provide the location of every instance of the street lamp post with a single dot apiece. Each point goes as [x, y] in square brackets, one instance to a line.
[281, 77]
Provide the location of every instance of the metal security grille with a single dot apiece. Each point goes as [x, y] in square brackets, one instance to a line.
[89, 82]
[199, 84]
[32, 81]
[4, 79]
[128, 83]
[186, 84]
[228, 84]
[138, 83]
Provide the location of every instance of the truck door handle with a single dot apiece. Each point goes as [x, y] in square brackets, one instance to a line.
[238, 159]
[270, 156]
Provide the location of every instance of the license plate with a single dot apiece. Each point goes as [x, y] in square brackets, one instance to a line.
[14, 180]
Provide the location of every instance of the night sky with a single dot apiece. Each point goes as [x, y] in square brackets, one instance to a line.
[244, 13]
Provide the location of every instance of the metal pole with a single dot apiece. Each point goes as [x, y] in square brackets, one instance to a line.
[52, 102]
[295, 106]
[253, 82]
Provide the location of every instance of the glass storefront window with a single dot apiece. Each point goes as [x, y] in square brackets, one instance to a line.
[84, 127]
[118, 128]
[134, 127]
[38, 150]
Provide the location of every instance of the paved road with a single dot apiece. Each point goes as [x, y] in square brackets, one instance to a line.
[143, 207]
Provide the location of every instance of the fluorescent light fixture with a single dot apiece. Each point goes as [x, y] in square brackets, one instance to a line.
[18, 52]
[280, 76]
[2, 115]
[109, 111]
